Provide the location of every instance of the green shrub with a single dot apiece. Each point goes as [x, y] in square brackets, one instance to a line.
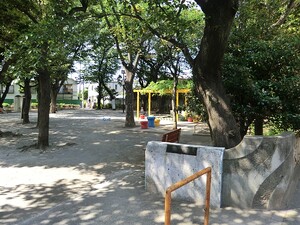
[67, 106]
[107, 106]
[34, 105]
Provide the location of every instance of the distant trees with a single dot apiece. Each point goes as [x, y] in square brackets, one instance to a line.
[129, 39]
[101, 60]
[40, 47]
[179, 22]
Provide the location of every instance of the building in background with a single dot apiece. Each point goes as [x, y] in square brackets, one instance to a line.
[113, 85]
[67, 94]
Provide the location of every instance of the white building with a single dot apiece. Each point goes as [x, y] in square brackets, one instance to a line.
[68, 92]
[113, 85]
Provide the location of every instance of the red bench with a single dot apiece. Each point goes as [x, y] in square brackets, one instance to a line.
[172, 136]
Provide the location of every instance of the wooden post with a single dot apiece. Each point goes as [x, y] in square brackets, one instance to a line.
[183, 182]
[207, 198]
[168, 208]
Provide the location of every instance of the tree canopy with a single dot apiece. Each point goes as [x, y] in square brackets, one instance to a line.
[261, 67]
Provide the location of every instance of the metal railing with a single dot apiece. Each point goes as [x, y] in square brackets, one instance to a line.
[183, 182]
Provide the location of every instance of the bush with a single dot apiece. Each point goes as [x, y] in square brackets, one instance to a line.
[34, 105]
[67, 106]
[108, 106]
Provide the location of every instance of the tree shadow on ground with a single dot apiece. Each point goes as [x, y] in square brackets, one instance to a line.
[97, 180]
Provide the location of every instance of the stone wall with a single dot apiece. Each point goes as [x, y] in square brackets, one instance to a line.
[168, 163]
[259, 172]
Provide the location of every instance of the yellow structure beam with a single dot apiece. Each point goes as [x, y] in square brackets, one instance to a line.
[138, 104]
[149, 104]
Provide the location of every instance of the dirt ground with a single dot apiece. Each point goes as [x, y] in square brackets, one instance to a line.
[93, 173]
[89, 150]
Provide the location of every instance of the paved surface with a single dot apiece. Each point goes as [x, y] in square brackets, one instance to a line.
[93, 173]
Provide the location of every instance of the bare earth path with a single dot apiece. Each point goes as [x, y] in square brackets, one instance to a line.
[93, 173]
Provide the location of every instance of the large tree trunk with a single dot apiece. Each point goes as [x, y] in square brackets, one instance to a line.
[244, 124]
[129, 99]
[55, 87]
[53, 95]
[99, 97]
[259, 126]
[4, 94]
[44, 109]
[99, 102]
[26, 101]
[44, 99]
[5, 65]
[207, 71]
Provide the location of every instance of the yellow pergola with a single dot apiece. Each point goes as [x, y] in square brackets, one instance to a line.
[150, 92]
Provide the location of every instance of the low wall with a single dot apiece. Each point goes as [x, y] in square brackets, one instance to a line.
[259, 172]
[168, 163]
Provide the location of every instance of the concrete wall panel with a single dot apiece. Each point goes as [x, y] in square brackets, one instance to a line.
[163, 169]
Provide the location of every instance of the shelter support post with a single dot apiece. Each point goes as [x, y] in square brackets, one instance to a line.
[137, 104]
[149, 104]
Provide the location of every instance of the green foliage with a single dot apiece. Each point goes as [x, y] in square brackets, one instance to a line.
[195, 107]
[165, 86]
[175, 19]
[6, 105]
[261, 67]
[100, 60]
[34, 105]
[85, 94]
[67, 106]
[107, 106]
[69, 101]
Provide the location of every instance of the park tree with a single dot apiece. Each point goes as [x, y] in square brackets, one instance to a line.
[153, 67]
[261, 68]
[152, 63]
[130, 41]
[42, 41]
[102, 62]
[27, 86]
[13, 24]
[174, 66]
[78, 30]
[62, 66]
[5, 84]
[168, 21]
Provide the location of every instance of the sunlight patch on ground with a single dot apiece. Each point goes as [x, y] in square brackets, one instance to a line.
[40, 182]
[41, 175]
[114, 132]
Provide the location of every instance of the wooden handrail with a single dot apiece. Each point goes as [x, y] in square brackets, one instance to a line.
[183, 182]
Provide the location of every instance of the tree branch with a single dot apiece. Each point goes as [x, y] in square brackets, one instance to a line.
[5, 66]
[116, 39]
[173, 41]
[291, 5]
[83, 8]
